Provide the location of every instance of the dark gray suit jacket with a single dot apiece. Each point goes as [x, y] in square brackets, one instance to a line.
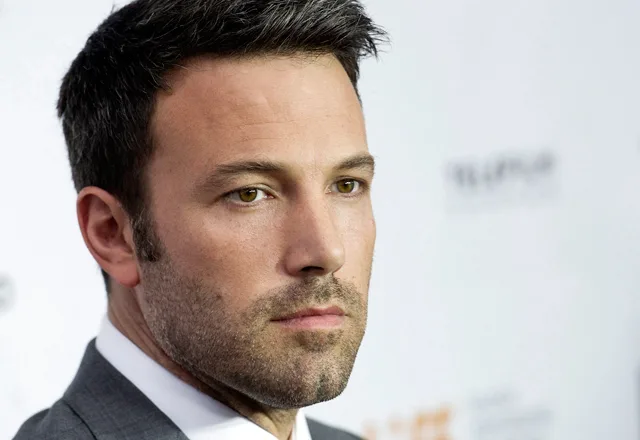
[101, 404]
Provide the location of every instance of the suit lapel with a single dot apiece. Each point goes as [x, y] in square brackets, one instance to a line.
[112, 407]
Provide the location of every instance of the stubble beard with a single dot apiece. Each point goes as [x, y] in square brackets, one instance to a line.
[247, 352]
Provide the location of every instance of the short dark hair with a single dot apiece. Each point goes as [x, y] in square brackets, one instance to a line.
[107, 96]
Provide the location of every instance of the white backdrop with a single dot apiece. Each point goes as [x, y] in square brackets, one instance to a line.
[504, 301]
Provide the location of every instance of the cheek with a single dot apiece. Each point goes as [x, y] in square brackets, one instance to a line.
[359, 242]
[361, 228]
[237, 258]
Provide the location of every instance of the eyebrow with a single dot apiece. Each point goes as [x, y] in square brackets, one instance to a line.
[365, 162]
[227, 172]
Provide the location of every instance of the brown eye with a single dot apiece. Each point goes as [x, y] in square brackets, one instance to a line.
[347, 186]
[248, 195]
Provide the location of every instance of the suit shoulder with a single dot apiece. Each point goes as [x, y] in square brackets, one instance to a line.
[56, 423]
[320, 431]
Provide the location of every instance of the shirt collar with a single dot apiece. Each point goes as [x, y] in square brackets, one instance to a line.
[196, 414]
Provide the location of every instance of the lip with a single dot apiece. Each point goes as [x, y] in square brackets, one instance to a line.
[314, 318]
[314, 311]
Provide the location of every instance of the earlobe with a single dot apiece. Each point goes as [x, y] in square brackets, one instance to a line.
[105, 228]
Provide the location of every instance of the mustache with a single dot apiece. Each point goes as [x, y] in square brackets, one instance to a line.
[310, 293]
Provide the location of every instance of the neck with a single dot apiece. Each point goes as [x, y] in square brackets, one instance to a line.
[125, 314]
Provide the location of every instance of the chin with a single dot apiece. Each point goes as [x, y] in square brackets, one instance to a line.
[300, 395]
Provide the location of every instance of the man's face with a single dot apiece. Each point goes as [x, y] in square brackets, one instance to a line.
[259, 201]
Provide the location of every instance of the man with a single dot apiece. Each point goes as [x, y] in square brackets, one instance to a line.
[219, 152]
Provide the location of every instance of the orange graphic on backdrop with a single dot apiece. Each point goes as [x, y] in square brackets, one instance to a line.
[432, 425]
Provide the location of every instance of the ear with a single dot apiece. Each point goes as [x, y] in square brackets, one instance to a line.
[106, 230]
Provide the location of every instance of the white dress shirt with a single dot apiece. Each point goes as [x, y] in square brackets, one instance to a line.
[198, 416]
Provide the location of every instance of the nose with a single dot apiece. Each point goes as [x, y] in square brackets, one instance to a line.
[314, 242]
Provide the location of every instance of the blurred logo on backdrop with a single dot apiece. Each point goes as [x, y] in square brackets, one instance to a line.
[424, 425]
[7, 293]
[504, 416]
[501, 179]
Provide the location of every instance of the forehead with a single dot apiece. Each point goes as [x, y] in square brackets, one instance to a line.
[283, 107]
